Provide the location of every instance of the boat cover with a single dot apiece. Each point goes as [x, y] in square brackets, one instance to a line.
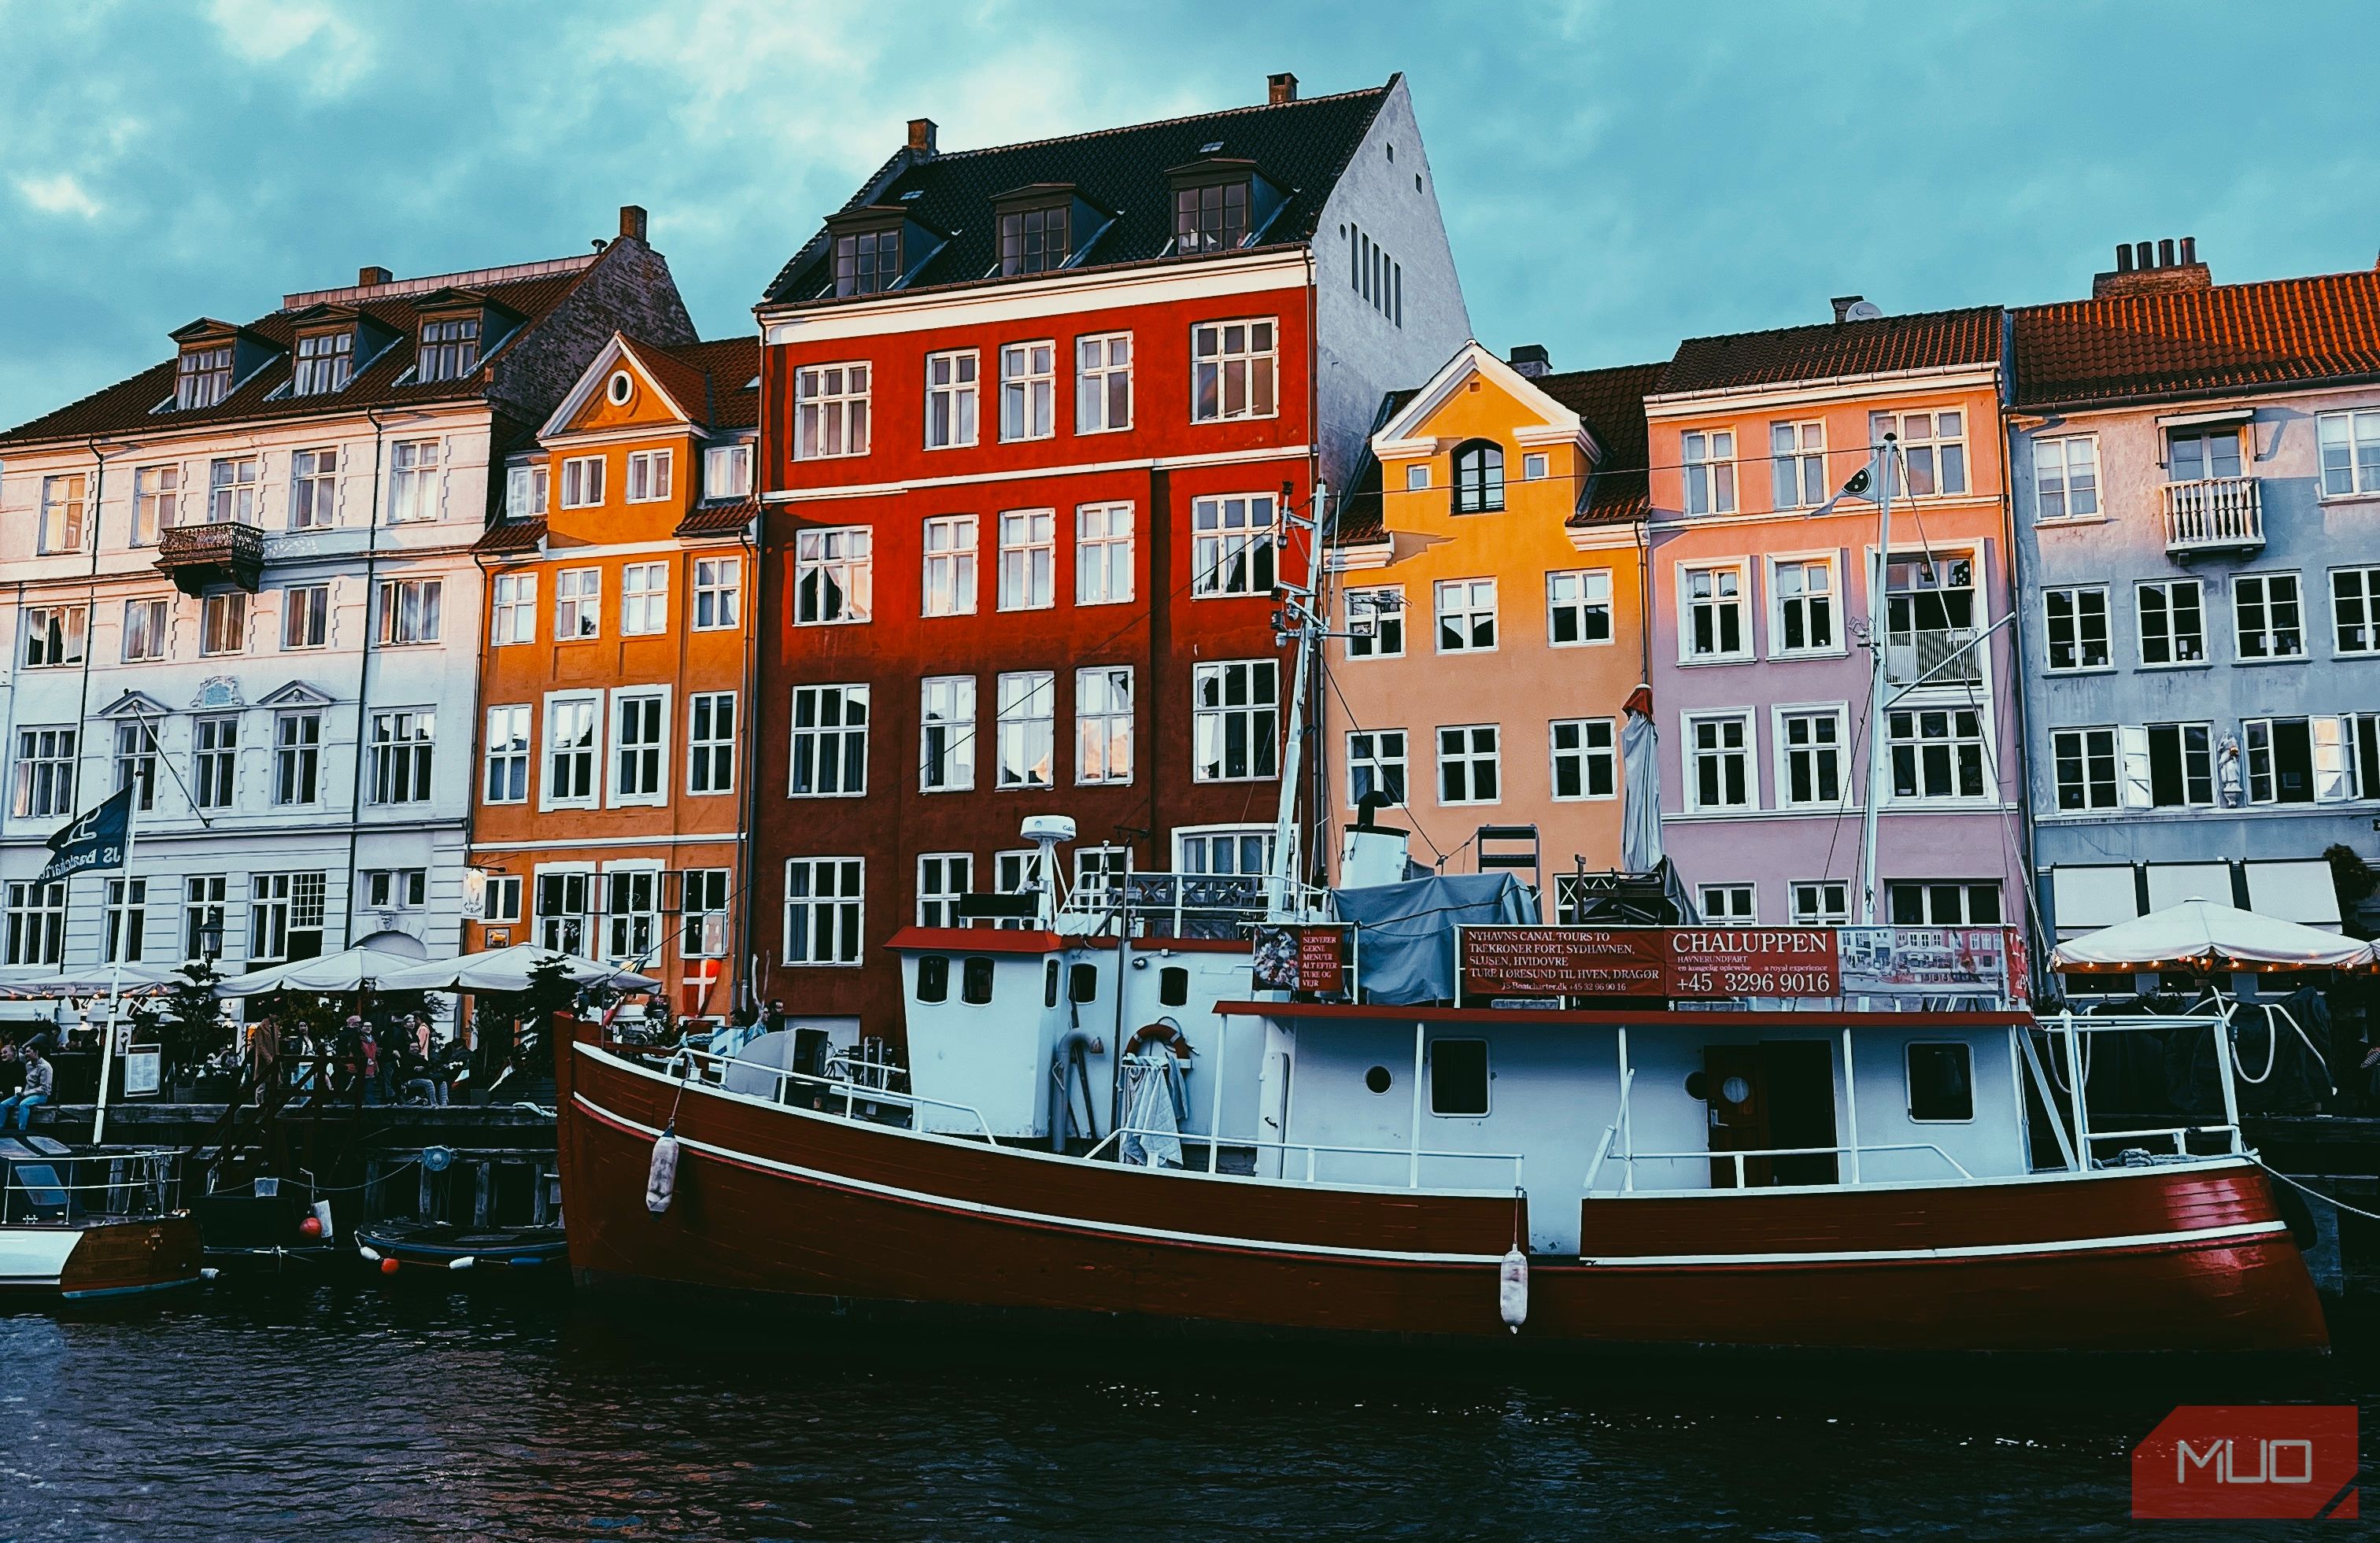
[1404, 933]
[2201, 932]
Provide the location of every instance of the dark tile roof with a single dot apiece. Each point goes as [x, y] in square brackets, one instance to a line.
[2195, 342]
[718, 519]
[1300, 147]
[1611, 403]
[1833, 350]
[728, 373]
[1359, 519]
[509, 536]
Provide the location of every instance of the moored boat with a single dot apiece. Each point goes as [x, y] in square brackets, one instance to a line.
[91, 1224]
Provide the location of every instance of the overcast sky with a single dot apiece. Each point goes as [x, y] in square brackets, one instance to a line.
[1615, 177]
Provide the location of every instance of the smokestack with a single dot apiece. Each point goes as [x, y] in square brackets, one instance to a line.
[1531, 360]
[632, 221]
[2123, 257]
[2160, 266]
[921, 139]
[1280, 87]
[366, 277]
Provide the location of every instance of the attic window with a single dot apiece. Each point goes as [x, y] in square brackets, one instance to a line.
[203, 378]
[1035, 240]
[450, 349]
[912, 195]
[866, 261]
[620, 388]
[324, 363]
[1212, 218]
[1212, 147]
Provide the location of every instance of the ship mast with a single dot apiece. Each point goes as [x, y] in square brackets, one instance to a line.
[1298, 618]
[1879, 602]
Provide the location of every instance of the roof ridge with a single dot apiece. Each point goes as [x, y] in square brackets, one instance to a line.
[2169, 296]
[1381, 90]
[1866, 321]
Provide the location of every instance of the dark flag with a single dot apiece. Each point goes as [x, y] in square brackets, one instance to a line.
[93, 841]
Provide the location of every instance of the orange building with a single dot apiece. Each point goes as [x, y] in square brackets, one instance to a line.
[616, 692]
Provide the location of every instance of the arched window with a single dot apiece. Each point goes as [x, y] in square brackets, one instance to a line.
[1479, 477]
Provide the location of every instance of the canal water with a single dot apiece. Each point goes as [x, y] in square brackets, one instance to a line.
[384, 1410]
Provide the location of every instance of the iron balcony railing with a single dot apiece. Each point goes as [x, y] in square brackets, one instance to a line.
[198, 557]
[2217, 514]
[1934, 655]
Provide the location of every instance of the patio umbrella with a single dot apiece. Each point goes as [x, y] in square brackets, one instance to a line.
[508, 970]
[2200, 932]
[97, 981]
[1640, 761]
[350, 970]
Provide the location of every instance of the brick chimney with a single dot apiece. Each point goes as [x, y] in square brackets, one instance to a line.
[1531, 360]
[632, 221]
[2151, 267]
[1280, 87]
[921, 140]
[366, 277]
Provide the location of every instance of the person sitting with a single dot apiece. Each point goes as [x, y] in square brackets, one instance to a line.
[39, 1080]
[12, 1071]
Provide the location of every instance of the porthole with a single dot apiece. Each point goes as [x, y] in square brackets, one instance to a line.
[1378, 1079]
[621, 388]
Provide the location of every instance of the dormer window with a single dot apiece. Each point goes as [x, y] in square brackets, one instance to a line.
[1478, 478]
[324, 363]
[204, 377]
[727, 472]
[450, 349]
[866, 261]
[1210, 218]
[1036, 240]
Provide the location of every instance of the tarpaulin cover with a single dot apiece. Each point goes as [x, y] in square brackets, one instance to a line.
[1404, 933]
[2197, 930]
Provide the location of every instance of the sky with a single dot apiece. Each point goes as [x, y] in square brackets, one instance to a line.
[1614, 177]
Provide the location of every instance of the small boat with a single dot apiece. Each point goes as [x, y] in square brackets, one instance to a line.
[390, 1246]
[93, 1223]
[263, 1228]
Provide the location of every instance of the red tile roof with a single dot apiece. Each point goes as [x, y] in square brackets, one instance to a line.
[508, 536]
[1834, 351]
[2199, 342]
[1612, 402]
[718, 519]
[730, 367]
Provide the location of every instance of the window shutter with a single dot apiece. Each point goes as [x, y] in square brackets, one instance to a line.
[2333, 779]
[2133, 739]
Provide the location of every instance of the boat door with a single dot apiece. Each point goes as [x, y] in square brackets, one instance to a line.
[1777, 1093]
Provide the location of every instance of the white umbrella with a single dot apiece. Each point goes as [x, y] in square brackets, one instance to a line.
[2201, 931]
[508, 970]
[350, 970]
[138, 981]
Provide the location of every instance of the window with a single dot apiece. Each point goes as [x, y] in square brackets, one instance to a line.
[1016, 873]
[1232, 544]
[2264, 611]
[55, 635]
[1376, 764]
[1709, 462]
[1029, 401]
[718, 593]
[1241, 851]
[1810, 747]
[1718, 755]
[946, 734]
[1714, 606]
[570, 728]
[943, 877]
[1230, 371]
[144, 630]
[61, 521]
[37, 923]
[128, 921]
[1375, 275]
[2085, 764]
[1933, 445]
[1797, 463]
[1027, 732]
[1930, 619]
[1028, 560]
[1586, 763]
[1102, 554]
[950, 398]
[136, 763]
[1172, 986]
[1466, 615]
[1478, 478]
[631, 915]
[950, 558]
[866, 261]
[231, 491]
[1417, 477]
[450, 349]
[565, 902]
[831, 412]
[1376, 623]
[402, 744]
[934, 977]
[285, 917]
[1470, 764]
[44, 780]
[215, 762]
[223, 623]
[830, 757]
[1578, 607]
[203, 896]
[2065, 479]
[507, 767]
[1801, 593]
[644, 599]
[1820, 902]
[397, 889]
[582, 482]
[408, 611]
[711, 742]
[2305, 760]
[297, 756]
[526, 489]
[1536, 467]
[412, 480]
[703, 904]
[156, 493]
[313, 489]
[1941, 1082]
[2173, 623]
[1458, 1077]
[726, 472]
[513, 619]
[639, 747]
[2180, 764]
[1103, 384]
[2355, 609]
[1103, 723]
[1212, 218]
[202, 378]
[2202, 454]
[1033, 240]
[2350, 452]
[2077, 624]
[1234, 726]
[499, 899]
[648, 475]
[577, 603]
[833, 576]
[1935, 903]
[1937, 752]
[824, 903]
[1728, 905]
[324, 361]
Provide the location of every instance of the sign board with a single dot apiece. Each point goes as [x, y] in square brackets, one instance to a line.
[1301, 959]
[1925, 961]
[144, 1072]
[1564, 962]
[1751, 961]
[1727, 963]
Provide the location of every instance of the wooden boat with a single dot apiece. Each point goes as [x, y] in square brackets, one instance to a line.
[91, 1224]
[444, 1245]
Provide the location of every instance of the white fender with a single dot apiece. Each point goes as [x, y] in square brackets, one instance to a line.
[1513, 1289]
[660, 1182]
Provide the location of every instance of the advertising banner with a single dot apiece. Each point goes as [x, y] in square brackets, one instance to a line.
[1925, 961]
[1752, 961]
[1306, 958]
[1564, 962]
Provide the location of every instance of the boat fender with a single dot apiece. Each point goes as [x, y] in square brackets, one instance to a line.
[660, 1182]
[466, 1262]
[372, 1255]
[1513, 1289]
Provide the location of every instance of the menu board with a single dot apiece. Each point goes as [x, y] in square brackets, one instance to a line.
[1305, 959]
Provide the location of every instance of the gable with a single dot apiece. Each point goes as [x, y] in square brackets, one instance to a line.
[1476, 393]
[625, 389]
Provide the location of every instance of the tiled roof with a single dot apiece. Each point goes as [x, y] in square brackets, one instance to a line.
[729, 369]
[511, 535]
[2193, 342]
[1833, 350]
[1300, 147]
[1611, 403]
[718, 519]
[1360, 519]
[130, 406]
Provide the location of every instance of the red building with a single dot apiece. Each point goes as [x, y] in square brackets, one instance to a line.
[1032, 421]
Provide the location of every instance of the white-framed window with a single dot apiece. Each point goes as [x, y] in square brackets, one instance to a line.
[1232, 370]
[1797, 464]
[1801, 607]
[1235, 721]
[650, 475]
[710, 743]
[305, 617]
[2307, 760]
[582, 481]
[43, 778]
[2065, 479]
[1941, 902]
[644, 599]
[2350, 445]
[950, 566]
[37, 923]
[565, 910]
[2266, 616]
[513, 618]
[1028, 559]
[1028, 391]
[285, 913]
[203, 904]
[1103, 723]
[830, 412]
[631, 915]
[946, 734]
[215, 762]
[1719, 762]
[1417, 477]
[297, 756]
[942, 878]
[1536, 466]
[1712, 599]
[2083, 764]
[726, 472]
[829, 749]
[2074, 619]
[62, 511]
[718, 594]
[324, 363]
[1707, 457]
[2355, 609]
[144, 630]
[1820, 902]
[1470, 764]
[577, 604]
[1930, 619]
[1933, 446]
[952, 392]
[449, 349]
[232, 486]
[1103, 384]
[507, 776]
[1231, 850]
[403, 744]
[1937, 752]
[1233, 545]
[136, 763]
[834, 576]
[1585, 758]
[2173, 622]
[1375, 621]
[703, 911]
[1027, 728]
[1578, 608]
[526, 489]
[500, 898]
[639, 747]
[2180, 764]
[412, 480]
[1016, 872]
[202, 377]
[223, 623]
[825, 901]
[314, 489]
[1812, 747]
[409, 611]
[156, 499]
[1728, 905]
[1376, 764]
[574, 739]
[1466, 615]
[128, 921]
[1102, 554]
[55, 635]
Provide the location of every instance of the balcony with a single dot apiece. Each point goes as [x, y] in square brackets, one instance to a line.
[201, 557]
[2219, 513]
[1933, 656]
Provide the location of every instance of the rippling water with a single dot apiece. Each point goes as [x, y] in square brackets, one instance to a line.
[383, 1410]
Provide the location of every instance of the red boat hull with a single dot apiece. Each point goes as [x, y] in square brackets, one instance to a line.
[788, 1201]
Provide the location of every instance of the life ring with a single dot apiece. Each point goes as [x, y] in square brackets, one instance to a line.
[1164, 1031]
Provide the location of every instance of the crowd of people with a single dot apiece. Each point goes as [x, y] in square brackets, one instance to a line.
[398, 1060]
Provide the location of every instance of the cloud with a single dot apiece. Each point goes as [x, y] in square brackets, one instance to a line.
[333, 53]
[58, 195]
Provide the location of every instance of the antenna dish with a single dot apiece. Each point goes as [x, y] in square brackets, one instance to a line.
[1865, 311]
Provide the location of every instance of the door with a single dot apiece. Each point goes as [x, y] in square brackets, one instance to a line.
[1777, 1093]
[1738, 1113]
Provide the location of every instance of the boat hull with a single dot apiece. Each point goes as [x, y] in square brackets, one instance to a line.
[100, 1262]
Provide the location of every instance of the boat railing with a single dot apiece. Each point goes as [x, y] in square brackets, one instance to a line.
[1627, 1161]
[2234, 1144]
[47, 1189]
[853, 1094]
[1412, 1157]
[1160, 905]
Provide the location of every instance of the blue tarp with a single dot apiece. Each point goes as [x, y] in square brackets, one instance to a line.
[1404, 933]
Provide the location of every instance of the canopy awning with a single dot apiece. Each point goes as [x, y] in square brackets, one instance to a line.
[350, 970]
[2202, 933]
[509, 969]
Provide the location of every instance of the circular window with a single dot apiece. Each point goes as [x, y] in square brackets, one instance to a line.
[621, 388]
[1697, 1085]
[1378, 1079]
[1735, 1090]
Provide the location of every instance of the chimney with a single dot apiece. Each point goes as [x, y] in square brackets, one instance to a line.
[1531, 360]
[2154, 267]
[632, 221]
[1842, 304]
[366, 277]
[921, 139]
[1280, 87]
